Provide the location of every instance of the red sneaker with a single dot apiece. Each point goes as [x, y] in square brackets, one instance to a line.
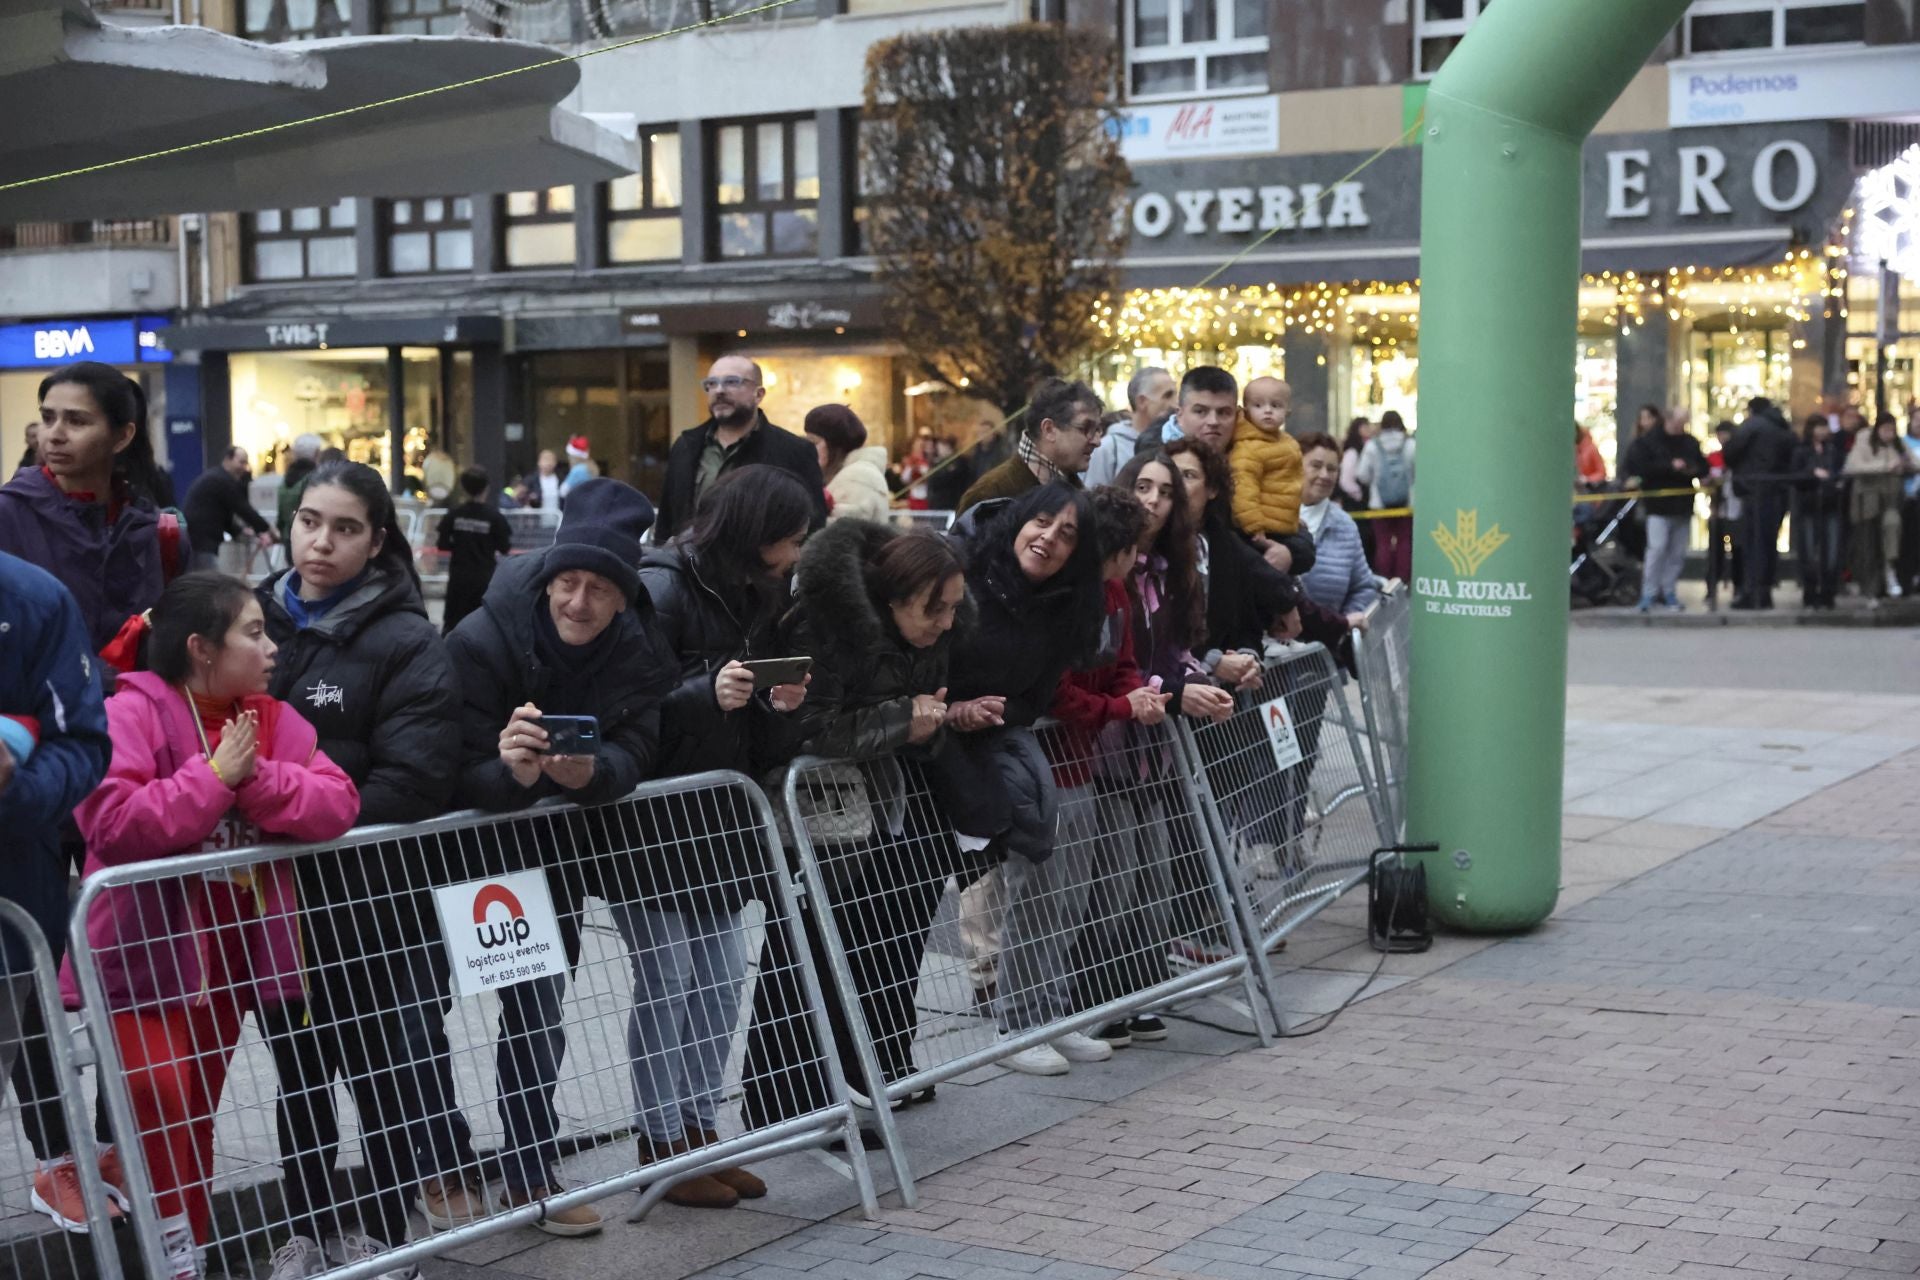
[56, 1193]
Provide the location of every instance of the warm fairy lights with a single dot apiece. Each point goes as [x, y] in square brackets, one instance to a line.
[1381, 315]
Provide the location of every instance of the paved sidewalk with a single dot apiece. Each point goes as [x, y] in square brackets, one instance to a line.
[1708, 1064]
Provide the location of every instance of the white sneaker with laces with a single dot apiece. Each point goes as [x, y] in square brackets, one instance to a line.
[178, 1248]
[364, 1248]
[297, 1259]
[1078, 1047]
[1041, 1060]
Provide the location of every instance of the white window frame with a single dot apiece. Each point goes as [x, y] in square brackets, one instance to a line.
[1425, 29]
[1779, 8]
[1197, 52]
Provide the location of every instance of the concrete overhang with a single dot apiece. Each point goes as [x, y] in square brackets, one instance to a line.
[77, 93]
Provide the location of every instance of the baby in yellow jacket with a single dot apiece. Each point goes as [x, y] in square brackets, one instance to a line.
[1268, 471]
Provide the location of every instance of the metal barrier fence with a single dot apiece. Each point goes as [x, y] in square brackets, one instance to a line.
[533, 530]
[907, 518]
[947, 959]
[592, 964]
[47, 1155]
[1383, 655]
[1294, 811]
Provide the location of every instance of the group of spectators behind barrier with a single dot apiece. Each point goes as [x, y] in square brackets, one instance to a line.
[1187, 854]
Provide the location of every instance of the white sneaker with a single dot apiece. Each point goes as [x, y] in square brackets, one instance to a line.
[297, 1259]
[365, 1248]
[183, 1258]
[1041, 1060]
[1077, 1047]
[1893, 584]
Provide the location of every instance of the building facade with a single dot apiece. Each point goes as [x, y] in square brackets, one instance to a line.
[1275, 227]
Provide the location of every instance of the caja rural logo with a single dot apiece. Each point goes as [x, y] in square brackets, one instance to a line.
[1467, 548]
[513, 931]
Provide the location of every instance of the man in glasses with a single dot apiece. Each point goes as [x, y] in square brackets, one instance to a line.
[1059, 431]
[735, 434]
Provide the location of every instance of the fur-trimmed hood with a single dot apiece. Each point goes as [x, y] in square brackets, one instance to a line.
[831, 585]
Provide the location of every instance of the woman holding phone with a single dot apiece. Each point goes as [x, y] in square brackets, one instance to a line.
[717, 589]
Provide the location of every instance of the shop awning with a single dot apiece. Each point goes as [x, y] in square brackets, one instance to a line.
[76, 93]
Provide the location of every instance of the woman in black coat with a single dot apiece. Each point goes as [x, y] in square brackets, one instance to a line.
[875, 610]
[718, 590]
[359, 659]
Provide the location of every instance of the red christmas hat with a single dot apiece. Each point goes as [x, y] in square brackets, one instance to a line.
[577, 447]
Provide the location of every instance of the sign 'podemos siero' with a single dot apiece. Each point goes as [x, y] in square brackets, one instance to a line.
[500, 931]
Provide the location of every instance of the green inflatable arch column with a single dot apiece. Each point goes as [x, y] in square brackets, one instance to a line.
[1500, 277]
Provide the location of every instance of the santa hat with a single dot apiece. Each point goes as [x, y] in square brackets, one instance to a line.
[577, 448]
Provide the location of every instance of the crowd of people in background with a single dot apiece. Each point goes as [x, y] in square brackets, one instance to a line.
[1107, 570]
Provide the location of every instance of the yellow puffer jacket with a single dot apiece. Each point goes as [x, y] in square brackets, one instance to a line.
[1267, 478]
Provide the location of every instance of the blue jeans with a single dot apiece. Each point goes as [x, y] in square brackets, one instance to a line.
[688, 971]
[1667, 538]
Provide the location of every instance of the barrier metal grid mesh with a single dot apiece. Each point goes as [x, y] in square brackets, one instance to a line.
[1383, 654]
[528, 1013]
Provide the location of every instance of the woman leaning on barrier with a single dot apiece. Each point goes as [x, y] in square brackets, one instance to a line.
[203, 760]
[1123, 947]
[1340, 579]
[875, 609]
[360, 659]
[1876, 464]
[718, 590]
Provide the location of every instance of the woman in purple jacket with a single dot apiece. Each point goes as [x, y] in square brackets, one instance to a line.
[86, 513]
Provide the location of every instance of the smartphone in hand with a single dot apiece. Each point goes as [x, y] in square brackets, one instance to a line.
[571, 735]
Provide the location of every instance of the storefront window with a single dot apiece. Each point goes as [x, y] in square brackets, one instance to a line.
[300, 244]
[342, 395]
[539, 228]
[643, 209]
[1727, 366]
[1739, 26]
[766, 189]
[618, 400]
[1181, 48]
[801, 379]
[277, 20]
[428, 235]
[1596, 391]
[1865, 379]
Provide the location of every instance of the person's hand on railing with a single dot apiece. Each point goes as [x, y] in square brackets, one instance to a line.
[1206, 702]
[1238, 670]
[733, 686]
[521, 745]
[1360, 621]
[1149, 707]
[788, 697]
[239, 750]
[929, 713]
[977, 713]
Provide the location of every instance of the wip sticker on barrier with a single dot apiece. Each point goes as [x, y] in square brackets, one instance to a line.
[1286, 743]
[500, 931]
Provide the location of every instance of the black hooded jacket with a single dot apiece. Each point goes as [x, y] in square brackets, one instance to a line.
[372, 677]
[865, 674]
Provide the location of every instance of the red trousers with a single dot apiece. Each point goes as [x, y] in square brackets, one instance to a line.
[176, 1058]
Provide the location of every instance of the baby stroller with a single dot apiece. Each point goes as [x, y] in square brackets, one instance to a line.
[1606, 570]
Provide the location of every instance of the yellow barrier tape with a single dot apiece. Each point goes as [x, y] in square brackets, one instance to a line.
[385, 102]
[1391, 513]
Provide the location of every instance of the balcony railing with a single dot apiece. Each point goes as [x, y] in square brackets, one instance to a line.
[53, 235]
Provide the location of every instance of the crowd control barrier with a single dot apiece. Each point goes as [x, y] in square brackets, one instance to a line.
[40, 1071]
[948, 958]
[533, 530]
[1383, 656]
[545, 1007]
[1294, 810]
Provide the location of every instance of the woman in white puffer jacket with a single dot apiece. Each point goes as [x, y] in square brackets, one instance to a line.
[856, 472]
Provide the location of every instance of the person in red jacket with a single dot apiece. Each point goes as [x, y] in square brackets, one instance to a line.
[203, 761]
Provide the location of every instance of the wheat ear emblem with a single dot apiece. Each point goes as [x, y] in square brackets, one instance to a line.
[1464, 546]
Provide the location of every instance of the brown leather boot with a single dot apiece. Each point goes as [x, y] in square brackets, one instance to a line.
[747, 1185]
[702, 1191]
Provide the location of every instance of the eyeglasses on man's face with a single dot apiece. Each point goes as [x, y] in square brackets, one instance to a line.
[732, 382]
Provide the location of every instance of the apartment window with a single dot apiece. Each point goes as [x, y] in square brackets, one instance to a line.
[429, 234]
[1736, 26]
[539, 227]
[766, 189]
[300, 244]
[423, 17]
[1439, 26]
[643, 209]
[1179, 48]
[277, 20]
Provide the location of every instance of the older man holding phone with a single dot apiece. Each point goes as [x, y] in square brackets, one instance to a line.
[561, 678]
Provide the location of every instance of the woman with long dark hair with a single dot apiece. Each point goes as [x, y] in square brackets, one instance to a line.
[348, 616]
[87, 513]
[875, 609]
[1876, 465]
[718, 590]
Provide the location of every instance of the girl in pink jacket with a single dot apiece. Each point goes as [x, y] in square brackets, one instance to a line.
[202, 761]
